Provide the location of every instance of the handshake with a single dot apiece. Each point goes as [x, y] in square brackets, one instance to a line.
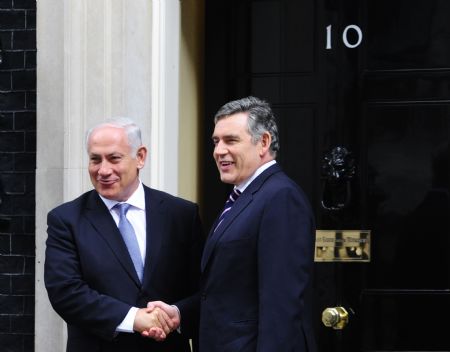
[157, 320]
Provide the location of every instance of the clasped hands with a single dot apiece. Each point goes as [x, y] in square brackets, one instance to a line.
[157, 320]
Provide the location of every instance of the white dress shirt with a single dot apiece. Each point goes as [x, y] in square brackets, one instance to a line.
[137, 217]
[243, 185]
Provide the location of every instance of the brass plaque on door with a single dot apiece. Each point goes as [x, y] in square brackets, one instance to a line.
[342, 246]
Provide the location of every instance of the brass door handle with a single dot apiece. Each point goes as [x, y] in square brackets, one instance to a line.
[336, 318]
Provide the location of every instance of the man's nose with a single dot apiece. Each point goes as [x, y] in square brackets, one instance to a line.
[105, 168]
[220, 149]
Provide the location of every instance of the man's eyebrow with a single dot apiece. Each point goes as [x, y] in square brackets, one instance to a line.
[107, 155]
[227, 136]
[231, 136]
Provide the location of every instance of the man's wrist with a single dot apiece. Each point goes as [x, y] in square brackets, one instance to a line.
[179, 318]
[127, 324]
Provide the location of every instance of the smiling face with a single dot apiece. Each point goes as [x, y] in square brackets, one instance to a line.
[237, 156]
[113, 170]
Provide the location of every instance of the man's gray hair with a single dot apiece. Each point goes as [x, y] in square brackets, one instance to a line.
[261, 119]
[131, 129]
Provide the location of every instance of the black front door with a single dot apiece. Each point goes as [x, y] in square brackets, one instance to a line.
[372, 77]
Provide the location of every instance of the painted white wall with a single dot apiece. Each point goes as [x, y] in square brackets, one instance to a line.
[97, 59]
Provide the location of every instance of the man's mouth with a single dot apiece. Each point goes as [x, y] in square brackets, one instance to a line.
[225, 165]
[106, 182]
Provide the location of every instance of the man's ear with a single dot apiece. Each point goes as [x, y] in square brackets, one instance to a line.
[266, 140]
[141, 155]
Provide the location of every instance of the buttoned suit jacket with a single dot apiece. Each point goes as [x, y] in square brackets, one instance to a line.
[257, 272]
[91, 280]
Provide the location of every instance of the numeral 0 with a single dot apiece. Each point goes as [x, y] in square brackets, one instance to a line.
[344, 36]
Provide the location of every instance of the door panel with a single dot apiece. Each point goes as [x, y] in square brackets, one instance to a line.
[273, 30]
[407, 34]
[388, 101]
[408, 161]
[395, 320]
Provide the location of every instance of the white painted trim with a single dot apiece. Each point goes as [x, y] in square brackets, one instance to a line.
[165, 99]
[95, 59]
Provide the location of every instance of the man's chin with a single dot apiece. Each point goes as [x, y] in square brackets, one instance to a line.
[227, 179]
[107, 193]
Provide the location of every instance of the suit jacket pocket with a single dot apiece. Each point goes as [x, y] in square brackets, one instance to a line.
[240, 336]
[239, 242]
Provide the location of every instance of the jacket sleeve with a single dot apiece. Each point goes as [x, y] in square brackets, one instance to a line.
[69, 293]
[190, 306]
[285, 261]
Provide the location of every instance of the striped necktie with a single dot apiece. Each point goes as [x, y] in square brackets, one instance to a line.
[129, 236]
[228, 204]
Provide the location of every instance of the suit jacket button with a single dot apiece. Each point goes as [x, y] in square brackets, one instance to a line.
[203, 296]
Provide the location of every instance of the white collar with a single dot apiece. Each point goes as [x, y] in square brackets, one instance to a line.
[137, 199]
[243, 185]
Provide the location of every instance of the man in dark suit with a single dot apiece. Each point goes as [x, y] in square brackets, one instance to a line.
[97, 281]
[257, 262]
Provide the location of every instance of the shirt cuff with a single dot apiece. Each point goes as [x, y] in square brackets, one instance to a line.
[127, 324]
[179, 315]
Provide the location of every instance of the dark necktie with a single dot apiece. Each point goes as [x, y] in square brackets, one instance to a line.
[129, 236]
[228, 204]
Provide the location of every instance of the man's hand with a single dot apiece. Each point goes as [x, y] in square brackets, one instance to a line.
[155, 320]
[171, 312]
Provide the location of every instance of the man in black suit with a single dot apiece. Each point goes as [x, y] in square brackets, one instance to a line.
[258, 258]
[98, 282]
[256, 281]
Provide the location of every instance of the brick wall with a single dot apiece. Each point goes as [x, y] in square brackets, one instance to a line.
[17, 173]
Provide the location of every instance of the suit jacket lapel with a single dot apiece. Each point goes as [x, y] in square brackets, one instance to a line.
[98, 215]
[215, 236]
[156, 219]
[243, 201]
